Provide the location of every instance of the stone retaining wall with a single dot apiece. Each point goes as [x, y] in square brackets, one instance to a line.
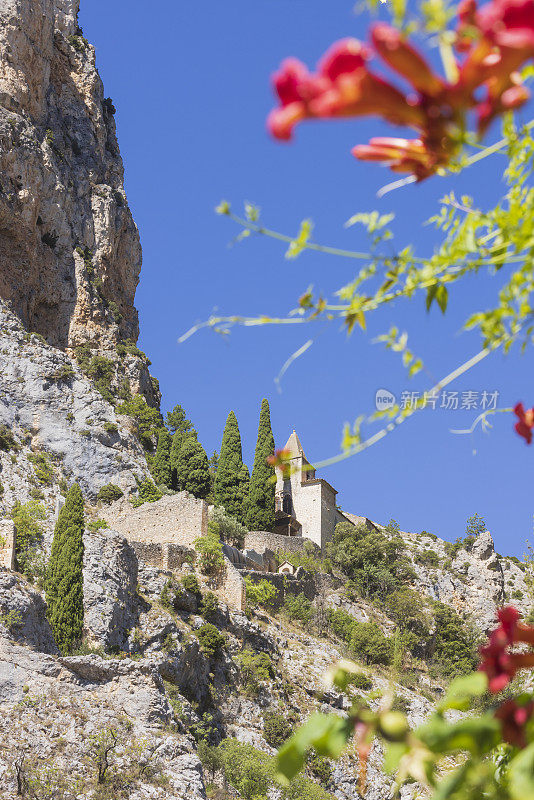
[176, 519]
[284, 584]
[164, 556]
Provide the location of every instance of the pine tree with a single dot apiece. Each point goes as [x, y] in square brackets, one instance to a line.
[64, 579]
[177, 421]
[260, 506]
[161, 466]
[231, 480]
[192, 468]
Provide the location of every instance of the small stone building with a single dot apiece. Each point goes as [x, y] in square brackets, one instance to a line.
[305, 504]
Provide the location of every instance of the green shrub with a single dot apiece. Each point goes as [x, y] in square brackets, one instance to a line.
[262, 593]
[29, 534]
[211, 640]
[341, 623]
[360, 681]
[428, 558]
[375, 562]
[110, 427]
[209, 605]
[517, 594]
[454, 646]
[147, 492]
[369, 643]
[210, 551]
[63, 374]
[256, 670]
[147, 419]
[44, 472]
[298, 608]
[407, 608]
[319, 766]
[97, 525]
[276, 728]
[190, 583]
[109, 493]
[228, 529]
[401, 703]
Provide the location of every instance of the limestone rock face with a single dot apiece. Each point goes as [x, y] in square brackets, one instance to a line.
[52, 408]
[23, 614]
[69, 250]
[110, 600]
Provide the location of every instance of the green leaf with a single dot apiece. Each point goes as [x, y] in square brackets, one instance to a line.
[326, 733]
[394, 752]
[521, 775]
[463, 690]
[297, 245]
[451, 783]
[442, 297]
[476, 735]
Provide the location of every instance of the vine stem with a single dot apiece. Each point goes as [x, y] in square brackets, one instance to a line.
[400, 418]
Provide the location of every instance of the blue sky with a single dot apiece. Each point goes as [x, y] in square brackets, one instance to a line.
[190, 82]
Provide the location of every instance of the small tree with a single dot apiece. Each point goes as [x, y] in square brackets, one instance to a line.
[260, 503]
[161, 466]
[64, 579]
[475, 526]
[227, 528]
[210, 551]
[262, 593]
[177, 422]
[192, 468]
[231, 484]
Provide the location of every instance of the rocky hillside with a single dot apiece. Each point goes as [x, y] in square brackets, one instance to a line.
[171, 695]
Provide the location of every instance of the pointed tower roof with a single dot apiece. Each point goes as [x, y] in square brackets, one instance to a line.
[294, 446]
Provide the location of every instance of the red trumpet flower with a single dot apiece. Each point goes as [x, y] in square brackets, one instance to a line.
[498, 662]
[526, 422]
[513, 718]
[497, 40]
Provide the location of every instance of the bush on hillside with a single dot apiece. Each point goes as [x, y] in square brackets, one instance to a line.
[256, 670]
[298, 607]
[276, 728]
[109, 493]
[369, 643]
[375, 562]
[229, 529]
[211, 640]
[262, 593]
[210, 552]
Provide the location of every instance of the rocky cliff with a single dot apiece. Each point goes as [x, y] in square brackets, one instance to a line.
[69, 249]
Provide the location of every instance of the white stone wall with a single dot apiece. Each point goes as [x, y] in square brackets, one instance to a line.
[7, 543]
[176, 519]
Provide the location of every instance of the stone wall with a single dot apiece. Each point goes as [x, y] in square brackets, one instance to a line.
[176, 519]
[163, 556]
[232, 589]
[284, 584]
[7, 543]
[260, 541]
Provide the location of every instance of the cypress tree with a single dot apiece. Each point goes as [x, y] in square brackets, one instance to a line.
[64, 579]
[260, 506]
[231, 479]
[192, 468]
[161, 466]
